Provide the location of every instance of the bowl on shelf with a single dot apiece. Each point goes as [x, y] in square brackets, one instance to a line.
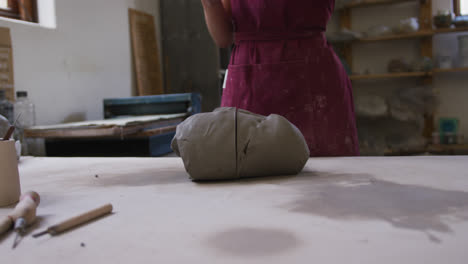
[398, 65]
[443, 21]
[408, 25]
[378, 31]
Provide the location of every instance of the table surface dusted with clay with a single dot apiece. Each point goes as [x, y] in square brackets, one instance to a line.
[338, 210]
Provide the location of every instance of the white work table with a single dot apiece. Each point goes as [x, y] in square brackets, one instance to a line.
[339, 210]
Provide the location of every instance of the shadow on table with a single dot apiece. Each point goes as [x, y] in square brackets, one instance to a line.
[362, 197]
[354, 197]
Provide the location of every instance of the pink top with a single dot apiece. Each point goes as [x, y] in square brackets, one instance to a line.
[282, 64]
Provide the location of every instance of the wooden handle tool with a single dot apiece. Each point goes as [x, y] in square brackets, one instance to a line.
[77, 220]
[9, 132]
[11, 129]
[26, 209]
[22, 216]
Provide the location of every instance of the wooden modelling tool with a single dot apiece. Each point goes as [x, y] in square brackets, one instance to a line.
[11, 129]
[76, 221]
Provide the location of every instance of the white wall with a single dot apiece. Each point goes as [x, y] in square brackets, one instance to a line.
[69, 70]
[452, 87]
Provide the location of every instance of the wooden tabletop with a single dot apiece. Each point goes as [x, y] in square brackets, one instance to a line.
[339, 210]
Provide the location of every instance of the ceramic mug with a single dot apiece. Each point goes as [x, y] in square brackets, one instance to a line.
[9, 177]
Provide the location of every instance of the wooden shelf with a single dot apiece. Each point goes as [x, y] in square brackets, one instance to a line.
[435, 149]
[365, 3]
[405, 151]
[389, 75]
[450, 30]
[419, 34]
[451, 70]
[404, 74]
[439, 148]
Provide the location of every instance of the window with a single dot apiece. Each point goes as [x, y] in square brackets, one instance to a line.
[19, 9]
[460, 7]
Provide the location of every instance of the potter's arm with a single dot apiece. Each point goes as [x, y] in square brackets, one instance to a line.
[218, 19]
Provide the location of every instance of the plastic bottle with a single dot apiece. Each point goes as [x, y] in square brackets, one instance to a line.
[6, 107]
[24, 107]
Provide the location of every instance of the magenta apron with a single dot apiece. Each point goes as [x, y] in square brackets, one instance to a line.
[282, 64]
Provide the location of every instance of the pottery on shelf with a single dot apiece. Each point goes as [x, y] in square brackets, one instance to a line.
[443, 19]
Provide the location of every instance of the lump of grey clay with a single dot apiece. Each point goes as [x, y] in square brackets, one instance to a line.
[231, 143]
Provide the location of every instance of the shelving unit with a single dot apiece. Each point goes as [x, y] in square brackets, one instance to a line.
[425, 35]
